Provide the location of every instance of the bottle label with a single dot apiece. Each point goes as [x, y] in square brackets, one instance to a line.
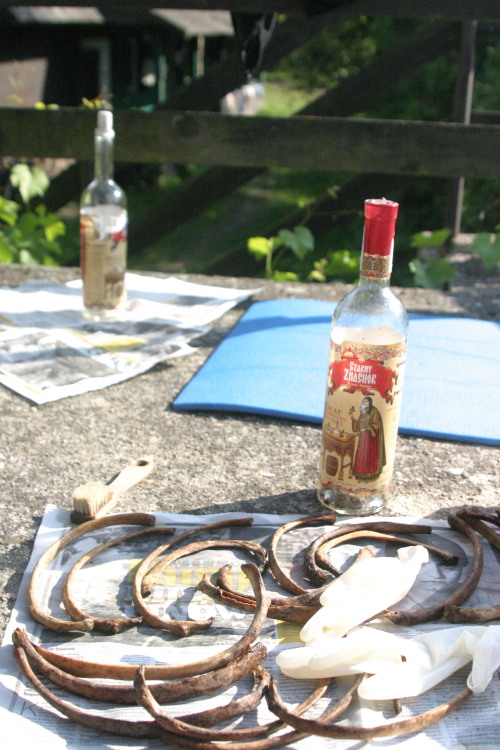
[103, 257]
[360, 423]
[376, 266]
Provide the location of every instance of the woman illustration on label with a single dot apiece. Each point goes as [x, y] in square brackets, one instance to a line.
[370, 454]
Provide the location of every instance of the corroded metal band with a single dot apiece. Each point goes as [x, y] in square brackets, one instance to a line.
[376, 266]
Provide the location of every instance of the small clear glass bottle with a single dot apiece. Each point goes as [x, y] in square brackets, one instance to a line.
[367, 355]
[103, 231]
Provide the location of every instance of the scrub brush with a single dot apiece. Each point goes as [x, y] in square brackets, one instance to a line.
[95, 499]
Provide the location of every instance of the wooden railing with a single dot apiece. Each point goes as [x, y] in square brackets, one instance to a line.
[331, 143]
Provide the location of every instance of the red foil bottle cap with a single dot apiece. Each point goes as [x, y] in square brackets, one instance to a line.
[380, 226]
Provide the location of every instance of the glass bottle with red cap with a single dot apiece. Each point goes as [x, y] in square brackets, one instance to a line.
[365, 378]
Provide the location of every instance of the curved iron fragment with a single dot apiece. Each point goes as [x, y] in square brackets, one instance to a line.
[81, 668]
[185, 627]
[235, 707]
[318, 576]
[477, 520]
[297, 609]
[461, 593]
[122, 727]
[323, 562]
[35, 586]
[343, 731]
[288, 612]
[155, 571]
[282, 578]
[164, 692]
[457, 614]
[309, 599]
[250, 738]
[111, 625]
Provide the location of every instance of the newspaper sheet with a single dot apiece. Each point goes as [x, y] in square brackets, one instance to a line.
[104, 587]
[49, 351]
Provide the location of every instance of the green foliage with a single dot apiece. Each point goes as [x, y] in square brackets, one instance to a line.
[487, 246]
[29, 236]
[9, 211]
[341, 265]
[331, 55]
[42, 106]
[301, 265]
[299, 240]
[436, 239]
[31, 182]
[436, 272]
[486, 88]
[283, 99]
[432, 274]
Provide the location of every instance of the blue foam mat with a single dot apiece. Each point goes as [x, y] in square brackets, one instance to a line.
[274, 362]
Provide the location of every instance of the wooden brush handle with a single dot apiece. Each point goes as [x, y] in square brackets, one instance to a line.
[131, 475]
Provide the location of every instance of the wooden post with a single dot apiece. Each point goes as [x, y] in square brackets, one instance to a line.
[462, 113]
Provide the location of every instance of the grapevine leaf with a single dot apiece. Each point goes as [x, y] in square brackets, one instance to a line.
[258, 246]
[29, 182]
[488, 248]
[8, 211]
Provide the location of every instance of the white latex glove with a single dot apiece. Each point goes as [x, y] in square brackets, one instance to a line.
[438, 654]
[365, 589]
[364, 650]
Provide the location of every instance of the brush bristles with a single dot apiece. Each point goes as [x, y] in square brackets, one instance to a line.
[90, 497]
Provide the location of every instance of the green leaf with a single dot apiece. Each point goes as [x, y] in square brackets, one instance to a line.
[318, 272]
[488, 247]
[430, 239]
[275, 242]
[9, 211]
[30, 182]
[288, 238]
[6, 254]
[300, 240]
[432, 275]
[316, 275]
[52, 226]
[49, 261]
[28, 223]
[55, 229]
[285, 276]
[259, 246]
[305, 236]
[27, 258]
[343, 264]
[419, 273]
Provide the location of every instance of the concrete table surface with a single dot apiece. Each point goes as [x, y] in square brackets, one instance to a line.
[215, 462]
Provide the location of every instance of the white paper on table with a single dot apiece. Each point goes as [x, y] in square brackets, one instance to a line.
[49, 351]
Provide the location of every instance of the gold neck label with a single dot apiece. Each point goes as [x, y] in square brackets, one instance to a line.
[376, 266]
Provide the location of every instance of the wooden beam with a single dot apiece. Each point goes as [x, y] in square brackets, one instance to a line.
[445, 9]
[358, 145]
[354, 94]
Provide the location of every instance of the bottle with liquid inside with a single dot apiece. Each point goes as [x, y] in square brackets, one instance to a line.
[103, 231]
[365, 378]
